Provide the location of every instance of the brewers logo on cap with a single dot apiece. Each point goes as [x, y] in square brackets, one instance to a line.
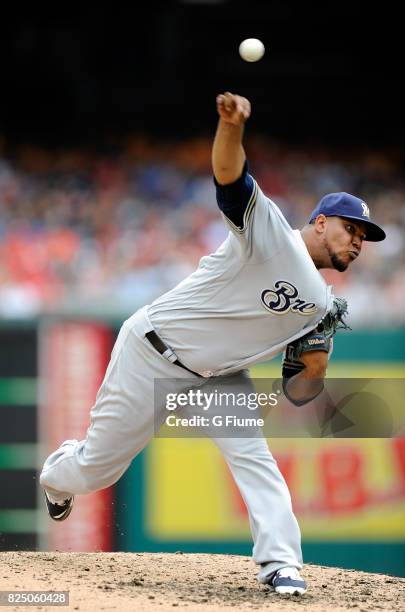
[366, 210]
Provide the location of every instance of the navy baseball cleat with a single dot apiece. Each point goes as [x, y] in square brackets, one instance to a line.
[287, 581]
[59, 511]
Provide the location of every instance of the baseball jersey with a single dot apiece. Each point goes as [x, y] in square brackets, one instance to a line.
[259, 291]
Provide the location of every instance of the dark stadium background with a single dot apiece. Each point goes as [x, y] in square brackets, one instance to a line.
[89, 75]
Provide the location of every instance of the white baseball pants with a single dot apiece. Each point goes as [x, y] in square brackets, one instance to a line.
[122, 423]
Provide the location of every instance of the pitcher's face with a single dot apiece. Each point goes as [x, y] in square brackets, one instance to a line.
[343, 239]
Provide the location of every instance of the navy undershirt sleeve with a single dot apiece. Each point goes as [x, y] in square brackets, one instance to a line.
[233, 198]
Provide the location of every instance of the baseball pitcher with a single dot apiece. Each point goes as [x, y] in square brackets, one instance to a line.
[258, 295]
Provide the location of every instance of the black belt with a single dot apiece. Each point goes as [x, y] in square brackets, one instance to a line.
[162, 348]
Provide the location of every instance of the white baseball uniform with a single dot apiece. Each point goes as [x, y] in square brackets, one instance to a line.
[259, 291]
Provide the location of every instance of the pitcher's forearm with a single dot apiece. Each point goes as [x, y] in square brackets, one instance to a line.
[303, 387]
[309, 382]
[228, 155]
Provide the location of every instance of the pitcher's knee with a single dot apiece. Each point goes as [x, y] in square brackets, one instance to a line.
[65, 477]
[80, 470]
[71, 474]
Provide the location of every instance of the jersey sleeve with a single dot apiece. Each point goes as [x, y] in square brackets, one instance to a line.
[258, 227]
[236, 200]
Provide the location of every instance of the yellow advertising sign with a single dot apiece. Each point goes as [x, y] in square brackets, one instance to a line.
[341, 489]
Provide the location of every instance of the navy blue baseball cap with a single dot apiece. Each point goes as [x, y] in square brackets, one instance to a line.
[343, 204]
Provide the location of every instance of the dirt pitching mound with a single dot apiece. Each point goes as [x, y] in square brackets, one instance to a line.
[152, 582]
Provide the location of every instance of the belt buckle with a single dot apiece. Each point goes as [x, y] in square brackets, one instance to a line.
[207, 373]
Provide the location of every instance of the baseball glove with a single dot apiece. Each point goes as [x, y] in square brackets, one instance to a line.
[319, 339]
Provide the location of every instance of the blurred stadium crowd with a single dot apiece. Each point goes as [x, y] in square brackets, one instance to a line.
[105, 233]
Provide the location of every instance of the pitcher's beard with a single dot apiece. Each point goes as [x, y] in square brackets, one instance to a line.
[337, 263]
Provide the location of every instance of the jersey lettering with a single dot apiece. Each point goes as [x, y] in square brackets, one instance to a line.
[284, 298]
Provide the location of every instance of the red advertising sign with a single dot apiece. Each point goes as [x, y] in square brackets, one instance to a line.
[73, 359]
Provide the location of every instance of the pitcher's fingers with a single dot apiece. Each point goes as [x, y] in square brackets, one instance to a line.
[246, 108]
[229, 101]
[240, 109]
[243, 109]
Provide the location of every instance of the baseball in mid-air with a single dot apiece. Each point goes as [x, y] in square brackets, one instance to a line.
[251, 49]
